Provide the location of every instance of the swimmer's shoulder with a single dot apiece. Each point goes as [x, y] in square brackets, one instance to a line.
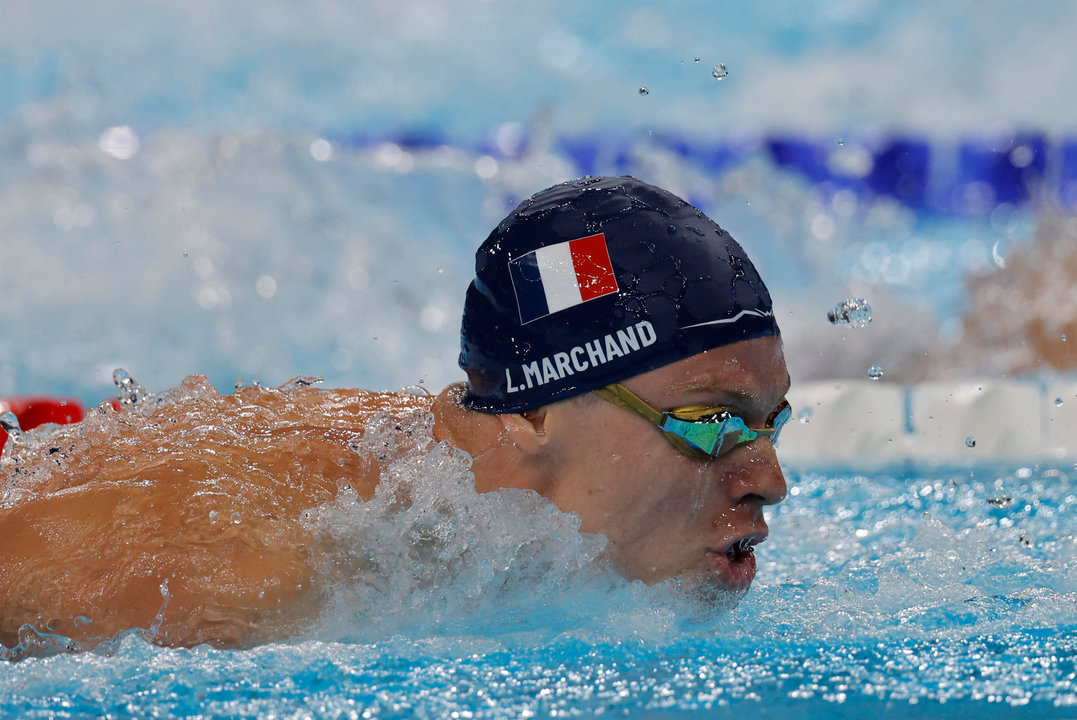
[342, 408]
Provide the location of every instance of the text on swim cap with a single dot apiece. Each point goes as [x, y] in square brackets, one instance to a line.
[579, 358]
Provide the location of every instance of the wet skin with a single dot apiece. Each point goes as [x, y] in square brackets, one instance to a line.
[203, 495]
[664, 514]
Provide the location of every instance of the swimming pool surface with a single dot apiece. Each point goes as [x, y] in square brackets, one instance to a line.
[922, 591]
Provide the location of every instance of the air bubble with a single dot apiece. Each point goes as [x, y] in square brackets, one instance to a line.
[875, 372]
[970, 441]
[131, 392]
[719, 72]
[644, 91]
[853, 312]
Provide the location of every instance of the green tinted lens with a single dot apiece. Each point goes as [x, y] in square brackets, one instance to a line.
[712, 437]
[780, 419]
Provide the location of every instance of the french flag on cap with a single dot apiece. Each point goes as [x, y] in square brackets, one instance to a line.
[557, 277]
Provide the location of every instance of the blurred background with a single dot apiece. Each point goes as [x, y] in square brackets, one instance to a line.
[263, 190]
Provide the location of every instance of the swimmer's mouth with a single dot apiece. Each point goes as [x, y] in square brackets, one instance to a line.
[743, 547]
[734, 563]
[740, 549]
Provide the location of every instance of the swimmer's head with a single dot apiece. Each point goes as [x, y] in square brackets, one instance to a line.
[596, 280]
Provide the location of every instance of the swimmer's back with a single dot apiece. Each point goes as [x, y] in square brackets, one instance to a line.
[197, 503]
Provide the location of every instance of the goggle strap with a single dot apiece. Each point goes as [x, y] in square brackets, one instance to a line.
[618, 394]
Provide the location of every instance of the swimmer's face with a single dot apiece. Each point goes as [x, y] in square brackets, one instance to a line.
[665, 514]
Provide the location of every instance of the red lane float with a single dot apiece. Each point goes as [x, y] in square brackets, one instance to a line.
[34, 411]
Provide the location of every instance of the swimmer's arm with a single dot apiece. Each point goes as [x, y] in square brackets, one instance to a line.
[101, 559]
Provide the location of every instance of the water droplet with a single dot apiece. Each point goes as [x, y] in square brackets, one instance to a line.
[9, 423]
[804, 415]
[875, 372]
[1058, 402]
[1063, 337]
[239, 384]
[854, 312]
[970, 441]
[131, 392]
[697, 60]
[302, 381]
[841, 142]
[185, 254]
[671, 229]
[719, 72]
[236, 518]
[214, 516]
[644, 91]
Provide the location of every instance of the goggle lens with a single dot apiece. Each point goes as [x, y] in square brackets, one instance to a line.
[714, 434]
[699, 431]
[778, 419]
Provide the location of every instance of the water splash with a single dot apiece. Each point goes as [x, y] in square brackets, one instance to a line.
[302, 381]
[131, 391]
[854, 312]
[9, 423]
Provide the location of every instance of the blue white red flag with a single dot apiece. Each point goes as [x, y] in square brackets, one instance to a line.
[557, 277]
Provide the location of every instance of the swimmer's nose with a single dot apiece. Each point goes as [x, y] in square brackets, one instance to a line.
[758, 478]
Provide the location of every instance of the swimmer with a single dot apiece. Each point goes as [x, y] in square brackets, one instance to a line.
[622, 360]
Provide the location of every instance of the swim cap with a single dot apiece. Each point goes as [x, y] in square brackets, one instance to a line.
[596, 280]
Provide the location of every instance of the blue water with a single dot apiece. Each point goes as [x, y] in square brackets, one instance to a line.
[924, 592]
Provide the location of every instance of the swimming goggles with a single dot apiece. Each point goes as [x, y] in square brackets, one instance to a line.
[699, 431]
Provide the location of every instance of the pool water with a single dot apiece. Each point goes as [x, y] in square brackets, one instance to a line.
[919, 590]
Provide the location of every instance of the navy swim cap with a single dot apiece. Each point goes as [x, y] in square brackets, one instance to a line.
[596, 280]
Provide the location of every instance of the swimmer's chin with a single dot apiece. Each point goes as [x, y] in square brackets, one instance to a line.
[716, 589]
